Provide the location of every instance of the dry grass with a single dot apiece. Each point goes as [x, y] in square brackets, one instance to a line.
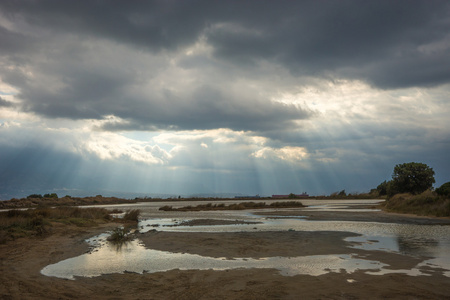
[37, 222]
[239, 206]
[63, 201]
[426, 204]
[132, 215]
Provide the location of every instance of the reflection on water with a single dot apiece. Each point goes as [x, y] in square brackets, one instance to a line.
[374, 243]
[134, 257]
[432, 242]
[417, 245]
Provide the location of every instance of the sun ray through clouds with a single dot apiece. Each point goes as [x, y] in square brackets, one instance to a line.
[196, 101]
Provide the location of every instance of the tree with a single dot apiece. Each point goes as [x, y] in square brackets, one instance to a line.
[382, 188]
[342, 193]
[34, 196]
[444, 190]
[412, 178]
[52, 195]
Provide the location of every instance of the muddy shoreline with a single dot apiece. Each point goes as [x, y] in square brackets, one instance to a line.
[365, 216]
[22, 260]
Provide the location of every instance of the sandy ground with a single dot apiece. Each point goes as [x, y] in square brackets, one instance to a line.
[22, 260]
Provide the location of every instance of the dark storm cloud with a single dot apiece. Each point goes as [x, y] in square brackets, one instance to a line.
[207, 108]
[150, 24]
[389, 44]
[358, 40]
[310, 37]
[12, 42]
[88, 93]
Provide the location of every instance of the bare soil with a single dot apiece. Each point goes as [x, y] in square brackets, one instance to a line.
[21, 261]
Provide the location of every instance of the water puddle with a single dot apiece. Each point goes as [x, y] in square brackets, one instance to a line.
[107, 258]
[430, 242]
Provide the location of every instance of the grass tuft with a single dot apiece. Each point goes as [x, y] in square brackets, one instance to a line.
[119, 235]
[132, 215]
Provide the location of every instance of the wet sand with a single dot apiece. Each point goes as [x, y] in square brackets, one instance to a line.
[22, 260]
[363, 216]
[211, 222]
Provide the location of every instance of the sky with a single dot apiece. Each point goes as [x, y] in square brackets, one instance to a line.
[220, 97]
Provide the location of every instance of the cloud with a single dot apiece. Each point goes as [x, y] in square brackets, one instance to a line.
[108, 146]
[5, 103]
[287, 154]
[212, 95]
[350, 40]
[169, 65]
[14, 42]
[123, 83]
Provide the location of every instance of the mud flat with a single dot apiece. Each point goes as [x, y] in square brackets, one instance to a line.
[364, 216]
[23, 259]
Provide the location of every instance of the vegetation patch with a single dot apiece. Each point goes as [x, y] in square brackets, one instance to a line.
[38, 222]
[132, 215]
[427, 203]
[52, 200]
[119, 235]
[238, 206]
[411, 191]
[444, 190]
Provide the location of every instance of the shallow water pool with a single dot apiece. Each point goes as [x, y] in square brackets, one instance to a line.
[429, 241]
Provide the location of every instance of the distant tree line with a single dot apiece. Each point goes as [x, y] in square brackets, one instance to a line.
[39, 196]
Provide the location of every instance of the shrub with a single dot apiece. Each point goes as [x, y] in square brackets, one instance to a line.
[166, 208]
[382, 188]
[444, 190]
[118, 235]
[287, 204]
[77, 212]
[52, 195]
[132, 215]
[342, 193]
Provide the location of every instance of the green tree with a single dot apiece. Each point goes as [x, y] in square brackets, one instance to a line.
[52, 195]
[35, 196]
[412, 178]
[444, 190]
[382, 188]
